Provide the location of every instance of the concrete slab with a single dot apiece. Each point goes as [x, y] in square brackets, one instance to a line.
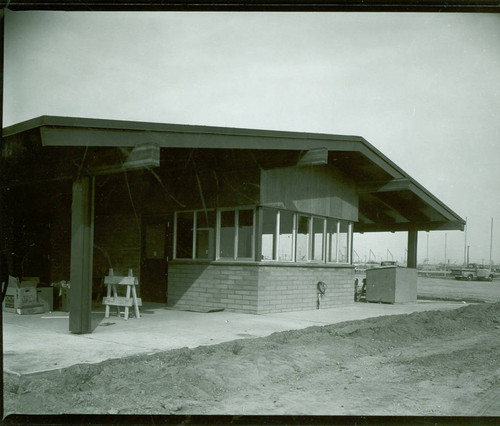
[37, 343]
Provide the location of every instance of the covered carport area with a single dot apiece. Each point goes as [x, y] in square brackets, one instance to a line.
[65, 156]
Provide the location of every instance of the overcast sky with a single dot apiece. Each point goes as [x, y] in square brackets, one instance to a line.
[422, 88]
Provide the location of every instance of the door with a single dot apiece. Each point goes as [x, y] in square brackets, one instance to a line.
[154, 258]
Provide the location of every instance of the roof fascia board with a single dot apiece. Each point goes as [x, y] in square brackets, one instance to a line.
[122, 125]
[397, 227]
[59, 136]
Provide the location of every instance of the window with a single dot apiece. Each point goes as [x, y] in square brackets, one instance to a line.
[227, 234]
[344, 247]
[299, 237]
[268, 240]
[194, 233]
[236, 234]
[286, 236]
[331, 239]
[245, 234]
[302, 251]
[205, 233]
[318, 252]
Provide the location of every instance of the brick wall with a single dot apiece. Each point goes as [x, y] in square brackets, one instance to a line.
[60, 245]
[257, 288]
[117, 244]
[213, 285]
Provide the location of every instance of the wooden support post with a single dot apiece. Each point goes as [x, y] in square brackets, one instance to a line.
[411, 261]
[82, 222]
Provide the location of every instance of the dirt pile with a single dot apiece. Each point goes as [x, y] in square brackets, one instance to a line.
[428, 363]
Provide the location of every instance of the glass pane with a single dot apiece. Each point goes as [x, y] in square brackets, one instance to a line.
[245, 233]
[227, 234]
[205, 234]
[268, 233]
[331, 235]
[302, 239]
[318, 229]
[286, 236]
[344, 242]
[184, 248]
[155, 240]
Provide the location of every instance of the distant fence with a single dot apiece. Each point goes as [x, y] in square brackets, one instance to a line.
[437, 273]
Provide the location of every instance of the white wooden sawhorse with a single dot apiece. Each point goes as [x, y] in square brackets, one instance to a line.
[129, 300]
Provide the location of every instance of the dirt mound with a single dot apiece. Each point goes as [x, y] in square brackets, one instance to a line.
[270, 374]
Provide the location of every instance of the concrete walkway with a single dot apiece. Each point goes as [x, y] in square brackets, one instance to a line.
[36, 343]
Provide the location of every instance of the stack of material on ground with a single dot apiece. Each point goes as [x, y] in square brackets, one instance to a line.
[21, 297]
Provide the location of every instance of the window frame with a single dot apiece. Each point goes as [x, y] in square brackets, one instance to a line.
[236, 233]
[326, 249]
[195, 229]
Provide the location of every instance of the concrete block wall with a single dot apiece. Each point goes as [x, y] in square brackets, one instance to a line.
[204, 286]
[257, 288]
[117, 244]
[294, 288]
[60, 246]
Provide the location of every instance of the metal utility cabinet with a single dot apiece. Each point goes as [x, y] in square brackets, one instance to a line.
[391, 285]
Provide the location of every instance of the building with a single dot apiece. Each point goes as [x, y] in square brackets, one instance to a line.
[208, 217]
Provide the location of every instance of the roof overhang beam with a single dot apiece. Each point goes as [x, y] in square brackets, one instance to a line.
[384, 186]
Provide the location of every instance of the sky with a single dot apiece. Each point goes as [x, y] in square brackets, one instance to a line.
[423, 88]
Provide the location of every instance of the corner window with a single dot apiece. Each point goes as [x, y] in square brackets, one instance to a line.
[297, 237]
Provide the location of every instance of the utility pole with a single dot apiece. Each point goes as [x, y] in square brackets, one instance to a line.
[445, 237]
[427, 254]
[491, 245]
[466, 249]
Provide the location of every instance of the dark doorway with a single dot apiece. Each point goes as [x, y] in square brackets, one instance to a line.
[154, 258]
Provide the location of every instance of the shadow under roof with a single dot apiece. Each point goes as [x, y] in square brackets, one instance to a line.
[389, 199]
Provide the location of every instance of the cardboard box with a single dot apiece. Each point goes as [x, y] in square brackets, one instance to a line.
[20, 294]
[34, 309]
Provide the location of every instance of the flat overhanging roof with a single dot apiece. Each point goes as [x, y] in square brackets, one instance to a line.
[389, 199]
